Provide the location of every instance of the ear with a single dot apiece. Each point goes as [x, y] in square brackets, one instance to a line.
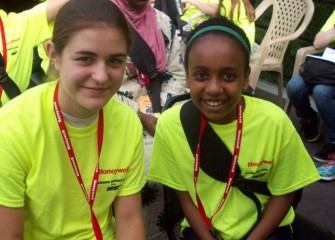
[246, 79]
[49, 48]
[187, 80]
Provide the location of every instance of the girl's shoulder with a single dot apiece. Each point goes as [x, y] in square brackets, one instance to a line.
[260, 108]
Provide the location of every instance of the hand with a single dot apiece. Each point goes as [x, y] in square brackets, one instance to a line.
[149, 122]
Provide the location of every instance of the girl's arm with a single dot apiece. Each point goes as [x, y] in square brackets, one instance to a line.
[193, 216]
[274, 212]
[149, 122]
[207, 8]
[323, 38]
[11, 223]
[129, 217]
[53, 7]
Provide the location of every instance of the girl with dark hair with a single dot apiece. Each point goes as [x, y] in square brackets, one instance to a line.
[72, 156]
[233, 160]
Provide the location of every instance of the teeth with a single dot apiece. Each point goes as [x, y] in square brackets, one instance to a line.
[214, 103]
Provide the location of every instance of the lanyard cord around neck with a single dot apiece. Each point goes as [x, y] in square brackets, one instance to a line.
[233, 165]
[4, 50]
[67, 141]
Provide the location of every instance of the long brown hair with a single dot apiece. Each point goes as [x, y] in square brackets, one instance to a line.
[250, 10]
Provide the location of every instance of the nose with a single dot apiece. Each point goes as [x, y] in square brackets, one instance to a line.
[214, 86]
[99, 72]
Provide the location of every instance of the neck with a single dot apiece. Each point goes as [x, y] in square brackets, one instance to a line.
[79, 122]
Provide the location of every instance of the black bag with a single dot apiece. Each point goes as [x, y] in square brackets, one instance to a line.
[318, 71]
[145, 60]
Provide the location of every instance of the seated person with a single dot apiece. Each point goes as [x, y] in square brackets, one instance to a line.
[298, 92]
[22, 32]
[242, 13]
[205, 149]
[147, 93]
[86, 183]
[163, 42]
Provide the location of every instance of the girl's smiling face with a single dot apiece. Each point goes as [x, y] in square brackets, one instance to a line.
[216, 75]
[91, 68]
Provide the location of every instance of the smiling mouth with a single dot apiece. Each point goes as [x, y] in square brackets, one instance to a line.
[214, 103]
[96, 88]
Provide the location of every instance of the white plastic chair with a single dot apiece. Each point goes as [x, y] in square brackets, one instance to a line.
[289, 20]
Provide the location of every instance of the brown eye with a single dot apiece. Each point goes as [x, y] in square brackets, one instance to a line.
[200, 76]
[116, 61]
[84, 59]
[229, 76]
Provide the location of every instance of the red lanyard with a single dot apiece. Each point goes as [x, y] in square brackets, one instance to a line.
[4, 48]
[73, 160]
[232, 170]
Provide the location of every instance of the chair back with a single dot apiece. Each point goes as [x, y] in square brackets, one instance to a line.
[286, 17]
[289, 20]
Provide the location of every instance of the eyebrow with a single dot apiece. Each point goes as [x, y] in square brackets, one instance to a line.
[199, 67]
[94, 54]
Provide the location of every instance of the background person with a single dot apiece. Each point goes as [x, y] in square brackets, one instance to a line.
[198, 11]
[242, 13]
[72, 156]
[153, 34]
[298, 91]
[163, 41]
[22, 32]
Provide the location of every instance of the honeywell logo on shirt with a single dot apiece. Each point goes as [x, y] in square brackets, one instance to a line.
[257, 164]
[258, 169]
[113, 171]
[112, 183]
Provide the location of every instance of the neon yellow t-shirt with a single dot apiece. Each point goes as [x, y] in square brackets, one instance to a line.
[36, 174]
[240, 19]
[271, 151]
[329, 23]
[193, 11]
[23, 31]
